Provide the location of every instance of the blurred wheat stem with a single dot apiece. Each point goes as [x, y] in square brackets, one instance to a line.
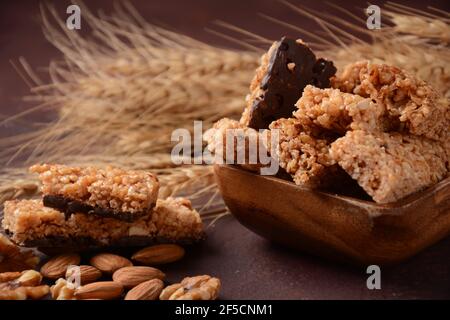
[120, 92]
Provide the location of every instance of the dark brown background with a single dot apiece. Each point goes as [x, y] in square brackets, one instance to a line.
[250, 267]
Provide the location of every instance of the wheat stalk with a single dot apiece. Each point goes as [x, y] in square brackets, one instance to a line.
[117, 89]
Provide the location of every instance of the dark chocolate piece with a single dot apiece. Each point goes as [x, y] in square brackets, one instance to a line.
[70, 206]
[283, 86]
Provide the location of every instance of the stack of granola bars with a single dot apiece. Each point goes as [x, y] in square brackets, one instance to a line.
[87, 207]
[375, 123]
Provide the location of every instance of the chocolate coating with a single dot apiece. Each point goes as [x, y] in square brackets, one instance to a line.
[70, 206]
[283, 86]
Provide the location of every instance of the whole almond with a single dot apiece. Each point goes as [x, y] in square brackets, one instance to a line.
[105, 290]
[57, 266]
[148, 290]
[132, 276]
[87, 274]
[109, 263]
[159, 254]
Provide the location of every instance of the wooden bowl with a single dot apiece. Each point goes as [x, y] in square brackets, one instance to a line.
[334, 226]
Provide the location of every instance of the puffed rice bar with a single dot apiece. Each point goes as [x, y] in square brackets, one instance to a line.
[390, 166]
[110, 192]
[337, 111]
[30, 223]
[410, 104]
[305, 157]
[241, 137]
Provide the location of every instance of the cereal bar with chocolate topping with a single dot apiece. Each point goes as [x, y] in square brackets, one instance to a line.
[390, 166]
[285, 70]
[30, 223]
[410, 104]
[109, 192]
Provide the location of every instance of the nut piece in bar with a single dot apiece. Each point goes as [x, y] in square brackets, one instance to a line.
[14, 258]
[410, 105]
[109, 192]
[30, 223]
[285, 70]
[390, 166]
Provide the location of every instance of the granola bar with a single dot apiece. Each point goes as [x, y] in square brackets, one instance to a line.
[30, 223]
[337, 111]
[239, 139]
[410, 104]
[285, 70]
[108, 192]
[389, 166]
[304, 153]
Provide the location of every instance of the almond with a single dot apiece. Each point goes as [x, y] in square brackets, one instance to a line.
[105, 290]
[159, 254]
[132, 276]
[57, 266]
[87, 274]
[109, 263]
[148, 290]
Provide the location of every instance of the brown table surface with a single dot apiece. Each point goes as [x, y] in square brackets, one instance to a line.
[249, 266]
